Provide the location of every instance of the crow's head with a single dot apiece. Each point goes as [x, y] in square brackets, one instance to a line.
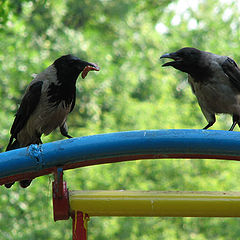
[69, 67]
[186, 59]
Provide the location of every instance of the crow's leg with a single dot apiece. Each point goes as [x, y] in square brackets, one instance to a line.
[235, 121]
[210, 118]
[209, 125]
[64, 130]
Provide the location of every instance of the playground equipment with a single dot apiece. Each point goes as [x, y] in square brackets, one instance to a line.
[37, 160]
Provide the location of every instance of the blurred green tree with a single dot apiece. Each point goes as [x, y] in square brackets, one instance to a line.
[132, 91]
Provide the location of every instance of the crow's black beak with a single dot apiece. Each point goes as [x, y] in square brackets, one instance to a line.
[171, 56]
[167, 55]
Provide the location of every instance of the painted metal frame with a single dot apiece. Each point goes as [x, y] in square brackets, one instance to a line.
[37, 160]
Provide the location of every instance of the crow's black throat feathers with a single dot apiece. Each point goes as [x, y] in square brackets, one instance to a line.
[57, 93]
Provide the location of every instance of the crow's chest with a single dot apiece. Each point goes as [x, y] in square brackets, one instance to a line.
[48, 117]
[215, 97]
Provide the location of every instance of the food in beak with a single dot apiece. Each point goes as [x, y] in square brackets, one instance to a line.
[92, 67]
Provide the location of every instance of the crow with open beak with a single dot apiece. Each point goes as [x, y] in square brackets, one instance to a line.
[48, 100]
[214, 79]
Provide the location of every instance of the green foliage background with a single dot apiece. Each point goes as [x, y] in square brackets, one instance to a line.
[131, 92]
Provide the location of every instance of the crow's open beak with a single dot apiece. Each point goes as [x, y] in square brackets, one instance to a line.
[171, 56]
[88, 68]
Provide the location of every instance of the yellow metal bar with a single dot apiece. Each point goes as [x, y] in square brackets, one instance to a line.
[171, 204]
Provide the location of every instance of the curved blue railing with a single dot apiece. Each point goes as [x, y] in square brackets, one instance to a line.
[38, 160]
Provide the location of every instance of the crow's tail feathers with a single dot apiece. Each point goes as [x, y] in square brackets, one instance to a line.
[12, 145]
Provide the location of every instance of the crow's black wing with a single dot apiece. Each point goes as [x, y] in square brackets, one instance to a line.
[27, 106]
[232, 70]
[74, 100]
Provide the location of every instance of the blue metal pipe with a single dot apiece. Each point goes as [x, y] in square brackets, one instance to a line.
[121, 146]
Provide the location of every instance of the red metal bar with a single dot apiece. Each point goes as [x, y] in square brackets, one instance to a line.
[60, 197]
[79, 226]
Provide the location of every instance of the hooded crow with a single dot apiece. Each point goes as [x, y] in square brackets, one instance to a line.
[214, 79]
[48, 99]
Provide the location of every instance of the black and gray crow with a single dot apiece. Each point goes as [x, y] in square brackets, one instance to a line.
[47, 101]
[214, 79]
